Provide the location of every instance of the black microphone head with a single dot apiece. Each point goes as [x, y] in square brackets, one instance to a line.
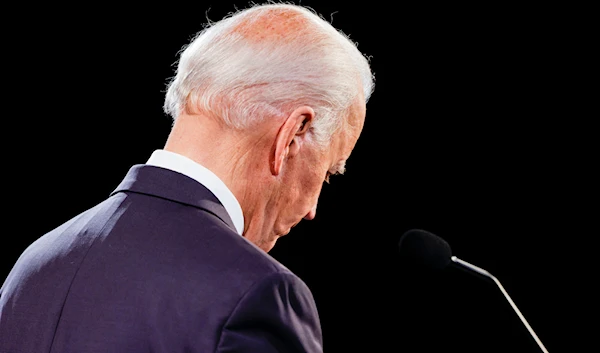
[425, 249]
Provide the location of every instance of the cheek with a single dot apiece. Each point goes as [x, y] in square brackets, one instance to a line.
[304, 193]
[311, 188]
[305, 184]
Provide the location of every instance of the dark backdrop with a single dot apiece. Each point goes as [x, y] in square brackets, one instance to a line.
[473, 133]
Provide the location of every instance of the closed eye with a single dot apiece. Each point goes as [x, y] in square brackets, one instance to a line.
[329, 175]
[338, 169]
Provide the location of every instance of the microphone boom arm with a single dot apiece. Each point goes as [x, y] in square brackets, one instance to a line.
[510, 301]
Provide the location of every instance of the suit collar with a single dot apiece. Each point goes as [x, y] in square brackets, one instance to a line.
[174, 186]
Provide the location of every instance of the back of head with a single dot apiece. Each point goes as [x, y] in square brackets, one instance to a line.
[264, 61]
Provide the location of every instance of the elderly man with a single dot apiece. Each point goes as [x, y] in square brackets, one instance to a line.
[267, 104]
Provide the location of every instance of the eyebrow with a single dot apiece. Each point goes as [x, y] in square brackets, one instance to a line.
[339, 167]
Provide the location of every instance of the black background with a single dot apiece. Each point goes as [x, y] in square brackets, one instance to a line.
[476, 132]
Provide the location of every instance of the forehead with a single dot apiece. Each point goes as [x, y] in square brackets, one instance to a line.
[345, 141]
[355, 122]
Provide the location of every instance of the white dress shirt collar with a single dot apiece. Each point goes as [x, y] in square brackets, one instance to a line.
[186, 166]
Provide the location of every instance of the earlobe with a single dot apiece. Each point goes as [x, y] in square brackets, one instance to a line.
[288, 139]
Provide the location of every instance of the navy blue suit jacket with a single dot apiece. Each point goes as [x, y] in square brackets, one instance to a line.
[156, 267]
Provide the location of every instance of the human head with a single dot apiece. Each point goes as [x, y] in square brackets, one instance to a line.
[284, 67]
[240, 69]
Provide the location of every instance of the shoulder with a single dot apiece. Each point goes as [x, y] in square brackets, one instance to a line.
[258, 268]
[282, 285]
[276, 312]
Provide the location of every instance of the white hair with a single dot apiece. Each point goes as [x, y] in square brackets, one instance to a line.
[241, 79]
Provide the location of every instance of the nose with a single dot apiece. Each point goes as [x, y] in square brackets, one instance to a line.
[311, 214]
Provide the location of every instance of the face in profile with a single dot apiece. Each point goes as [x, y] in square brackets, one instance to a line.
[302, 178]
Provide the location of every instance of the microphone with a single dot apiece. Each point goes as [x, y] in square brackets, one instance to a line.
[428, 250]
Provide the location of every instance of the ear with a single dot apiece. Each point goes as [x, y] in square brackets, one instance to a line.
[290, 135]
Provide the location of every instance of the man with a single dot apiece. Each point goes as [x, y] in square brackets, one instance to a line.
[267, 104]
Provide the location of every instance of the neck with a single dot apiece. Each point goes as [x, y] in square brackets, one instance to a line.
[234, 156]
